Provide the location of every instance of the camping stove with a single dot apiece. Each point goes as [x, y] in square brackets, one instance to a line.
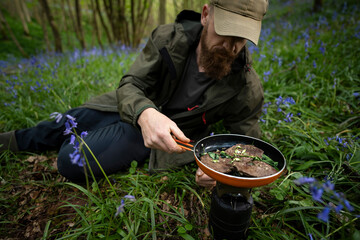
[230, 212]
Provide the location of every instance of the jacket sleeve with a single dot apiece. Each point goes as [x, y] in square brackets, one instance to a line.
[138, 88]
[244, 110]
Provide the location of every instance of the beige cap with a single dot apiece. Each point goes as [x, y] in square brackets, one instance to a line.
[239, 18]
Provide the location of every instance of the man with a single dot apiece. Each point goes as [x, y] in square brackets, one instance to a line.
[191, 74]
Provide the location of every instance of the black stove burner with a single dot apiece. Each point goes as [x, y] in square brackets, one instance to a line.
[230, 212]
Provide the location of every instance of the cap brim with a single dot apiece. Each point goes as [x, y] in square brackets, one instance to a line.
[231, 24]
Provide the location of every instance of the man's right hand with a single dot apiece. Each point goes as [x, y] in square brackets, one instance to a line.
[158, 131]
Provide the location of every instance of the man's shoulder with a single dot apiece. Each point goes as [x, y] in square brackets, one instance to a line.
[185, 29]
[188, 15]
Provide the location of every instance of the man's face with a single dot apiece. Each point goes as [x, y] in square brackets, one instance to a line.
[217, 52]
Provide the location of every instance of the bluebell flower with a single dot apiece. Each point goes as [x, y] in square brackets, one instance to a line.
[130, 197]
[68, 128]
[69, 124]
[338, 208]
[83, 134]
[288, 117]
[72, 139]
[304, 180]
[324, 215]
[348, 206]
[316, 192]
[120, 208]
[329, 186]
[266, 75]
[58, 116]
[77, 158]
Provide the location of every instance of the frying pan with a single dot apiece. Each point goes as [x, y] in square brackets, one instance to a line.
[220, 141]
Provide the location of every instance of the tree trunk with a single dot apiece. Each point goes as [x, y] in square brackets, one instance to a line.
[22, 17]
[139, 19]
[40, 18]
[79, 25]
[103, 22]
[66, 24]
[25, 10]
[5, 23]
[3, 32]
[123, 23]
[73, 21]
[317, 5]
[57, 37]
[95, 25]
[162, 12]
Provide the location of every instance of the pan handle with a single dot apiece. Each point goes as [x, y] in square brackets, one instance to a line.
[183, 145]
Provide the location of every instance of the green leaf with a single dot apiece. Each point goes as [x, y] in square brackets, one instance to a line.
[181, 230]
[305, 165]
[188, 227]
[356, 235]
[186, 236]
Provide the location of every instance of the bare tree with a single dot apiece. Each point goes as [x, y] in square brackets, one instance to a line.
[74, 23]
[3, 32]
[139, 19]
[5, 23]
[162, 12]
[41, 19]
[102, 21]
[20, 12]
[317, 5]
[57, 37]
[95, 24]
[79, 25]
[124, 34]
[65, 23]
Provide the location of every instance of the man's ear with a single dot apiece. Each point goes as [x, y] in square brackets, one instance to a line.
[205, 14]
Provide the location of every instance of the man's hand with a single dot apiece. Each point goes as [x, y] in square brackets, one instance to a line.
[158, 131]
[204, 180]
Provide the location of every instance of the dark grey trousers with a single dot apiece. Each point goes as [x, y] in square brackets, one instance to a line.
[114, 143]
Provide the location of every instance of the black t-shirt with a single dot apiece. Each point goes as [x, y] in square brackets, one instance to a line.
[189, 94]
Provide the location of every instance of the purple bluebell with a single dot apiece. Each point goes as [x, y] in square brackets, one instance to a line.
[83, 134]
[304, 180]
[324, 215]
[266, 75]
[77, 158]
[348, 205]
[68, 128]
[58, 116]
[130, 197]
[72, 139]
[316, 192]
[121, 208]
[288, 117]
[338, 208]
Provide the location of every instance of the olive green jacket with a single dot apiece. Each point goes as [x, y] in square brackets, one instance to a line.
[237, 99]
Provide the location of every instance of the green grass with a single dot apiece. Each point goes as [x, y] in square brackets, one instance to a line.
[309, 60]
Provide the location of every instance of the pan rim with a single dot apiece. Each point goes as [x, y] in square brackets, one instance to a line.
[240, 178]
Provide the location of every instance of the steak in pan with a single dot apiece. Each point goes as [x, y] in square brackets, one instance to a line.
[241, 160]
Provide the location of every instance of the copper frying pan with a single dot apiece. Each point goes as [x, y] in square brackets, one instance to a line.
[221, 141]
